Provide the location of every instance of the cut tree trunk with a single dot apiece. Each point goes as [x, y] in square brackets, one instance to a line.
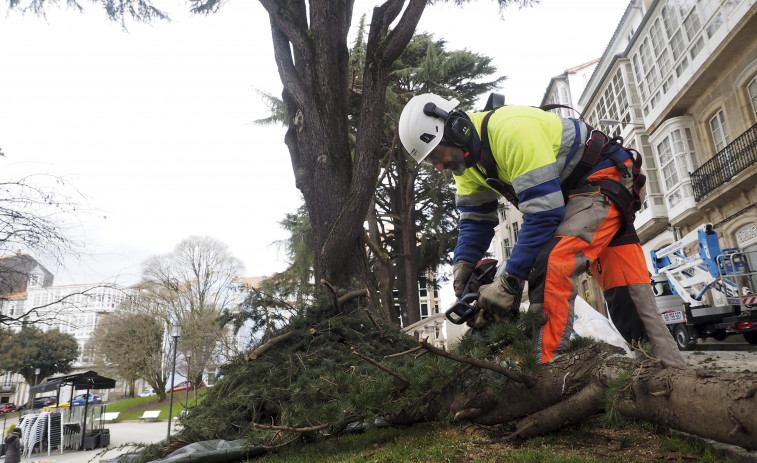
[717, 405]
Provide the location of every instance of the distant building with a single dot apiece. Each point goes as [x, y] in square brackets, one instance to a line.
[678, 81]
[18, 272]
[72, 309]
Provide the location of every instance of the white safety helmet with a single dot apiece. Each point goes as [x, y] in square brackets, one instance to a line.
[420, 132]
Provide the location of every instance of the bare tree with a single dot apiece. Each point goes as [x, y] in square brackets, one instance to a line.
[191, 287]
[31, 212]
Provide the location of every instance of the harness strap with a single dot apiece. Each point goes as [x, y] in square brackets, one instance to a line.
[591, 157]
[490, 165]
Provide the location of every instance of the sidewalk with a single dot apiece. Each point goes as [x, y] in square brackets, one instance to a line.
[120, 433]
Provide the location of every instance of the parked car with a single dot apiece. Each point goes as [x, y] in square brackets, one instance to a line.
[93, 399]
[146, 392]
[40, 402]
[7, 408]
[183, 386]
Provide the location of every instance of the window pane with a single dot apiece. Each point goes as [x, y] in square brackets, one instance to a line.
[719, 131]
[752, 88]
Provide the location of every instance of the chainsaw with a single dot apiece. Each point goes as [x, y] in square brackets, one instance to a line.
[465, 307]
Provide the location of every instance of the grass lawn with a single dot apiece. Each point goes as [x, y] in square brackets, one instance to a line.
[132, 409]
[434, 442]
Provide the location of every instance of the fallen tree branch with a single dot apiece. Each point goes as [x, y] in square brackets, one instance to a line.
[353, 295]
[261, 349]
[574, 409]
[373, 320]
[328, 285]
[381, 367]
[400, 354]
[510, 374]
[291, 428]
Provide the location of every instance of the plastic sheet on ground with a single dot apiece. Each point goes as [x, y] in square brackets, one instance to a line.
[211, 451]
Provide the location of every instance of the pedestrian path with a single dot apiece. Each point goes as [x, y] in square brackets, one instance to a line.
[120, 433]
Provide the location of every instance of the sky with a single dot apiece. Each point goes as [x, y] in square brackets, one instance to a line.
[152, 128]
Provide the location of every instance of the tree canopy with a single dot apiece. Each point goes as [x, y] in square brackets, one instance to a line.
[30, 348]
[130, 343]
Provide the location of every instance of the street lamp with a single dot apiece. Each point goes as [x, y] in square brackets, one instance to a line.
[189, 376]
[36, 375]
[175, 334]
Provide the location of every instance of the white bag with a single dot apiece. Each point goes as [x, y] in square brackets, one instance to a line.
[588, 323]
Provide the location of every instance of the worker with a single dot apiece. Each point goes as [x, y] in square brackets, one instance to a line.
[578, 191]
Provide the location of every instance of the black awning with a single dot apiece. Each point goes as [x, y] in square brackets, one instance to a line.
[87, 380]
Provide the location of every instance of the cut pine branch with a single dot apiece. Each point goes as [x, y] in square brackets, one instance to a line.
[381, 366]
[261, 349]
[495, 367]
[319, 427]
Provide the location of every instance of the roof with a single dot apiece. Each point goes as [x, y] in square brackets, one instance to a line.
[250, 282]
[87, 380]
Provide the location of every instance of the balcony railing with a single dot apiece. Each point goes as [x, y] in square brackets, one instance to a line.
[731, 160]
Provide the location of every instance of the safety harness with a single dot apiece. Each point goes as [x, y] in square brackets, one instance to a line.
[598, 147]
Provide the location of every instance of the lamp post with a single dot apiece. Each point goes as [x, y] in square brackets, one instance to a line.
[189, 376]
[36, 375]
[175, 334]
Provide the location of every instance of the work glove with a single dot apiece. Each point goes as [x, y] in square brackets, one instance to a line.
[462, 272]
[499, 301]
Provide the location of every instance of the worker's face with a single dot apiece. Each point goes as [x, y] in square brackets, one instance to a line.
[445, 157]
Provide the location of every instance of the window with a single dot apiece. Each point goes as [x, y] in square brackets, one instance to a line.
[667, 162]
[676, 159]
[719, 131]
[508, 247]
[515, 231]
[658, 44]
[35, 280]
[424, 311]
[7, 379]
[714, 25]
[752, 89]
[637, 70]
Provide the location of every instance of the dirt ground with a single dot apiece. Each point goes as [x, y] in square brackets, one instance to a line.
[633, 442]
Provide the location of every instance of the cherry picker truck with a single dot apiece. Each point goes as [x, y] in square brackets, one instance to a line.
[710, 292]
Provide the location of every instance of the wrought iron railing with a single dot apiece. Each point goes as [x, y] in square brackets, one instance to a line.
[731, 160]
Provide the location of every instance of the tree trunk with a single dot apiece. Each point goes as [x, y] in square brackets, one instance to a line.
[383, 269]
[409, 242]
[312, 56]
[719, 406]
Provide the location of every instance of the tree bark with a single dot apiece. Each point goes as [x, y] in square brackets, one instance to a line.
[719, 406]
[336, 182]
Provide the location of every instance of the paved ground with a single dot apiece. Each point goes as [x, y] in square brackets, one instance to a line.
[733, 354]
[121, 433]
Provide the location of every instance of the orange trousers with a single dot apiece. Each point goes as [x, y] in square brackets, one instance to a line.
[590, 236]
